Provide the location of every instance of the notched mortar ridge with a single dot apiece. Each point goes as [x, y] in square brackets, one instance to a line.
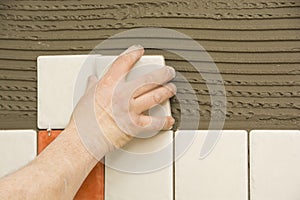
[14, 115]
[17, 107]
[193, 4]
[18, 78]
[17, 88]
[239, 82]
[17, 97]
[237, 93]
[158, 14]
[236, 104]
[42, 27]
[205, 114]
[259, 58]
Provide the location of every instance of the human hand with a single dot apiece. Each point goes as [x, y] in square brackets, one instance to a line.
[112, 110]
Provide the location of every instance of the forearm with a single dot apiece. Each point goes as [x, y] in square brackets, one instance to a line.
[56, 173]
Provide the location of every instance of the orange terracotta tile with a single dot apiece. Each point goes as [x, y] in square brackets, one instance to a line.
[44, 139]
[93, 186]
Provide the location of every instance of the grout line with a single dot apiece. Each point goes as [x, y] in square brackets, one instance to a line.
[173, 165]
[248, 144]
[104, 185]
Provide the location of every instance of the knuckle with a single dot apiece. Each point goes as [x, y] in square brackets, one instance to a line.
[156, 98]
[140, 122]
[137, 121]
[106, 81]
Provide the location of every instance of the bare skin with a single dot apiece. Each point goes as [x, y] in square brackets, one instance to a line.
[58, 172]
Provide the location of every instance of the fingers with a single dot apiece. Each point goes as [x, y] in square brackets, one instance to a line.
[152, 80]
[169, 122]
[124, 63]
[151, 123]
[154, 97]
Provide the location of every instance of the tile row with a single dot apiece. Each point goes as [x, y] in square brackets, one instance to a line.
[274, 162]
[62, 80]
[19, 147]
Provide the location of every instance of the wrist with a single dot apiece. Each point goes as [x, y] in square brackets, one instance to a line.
[75, 145]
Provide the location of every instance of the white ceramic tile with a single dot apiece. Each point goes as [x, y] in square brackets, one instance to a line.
[145, 65]
[147, 186]
[222, 175]
[17, 148]
[56, 82]
[274, 165]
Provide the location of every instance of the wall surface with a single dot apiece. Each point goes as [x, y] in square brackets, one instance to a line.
[255, 44]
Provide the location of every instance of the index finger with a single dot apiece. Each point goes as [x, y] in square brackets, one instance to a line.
[124, 63]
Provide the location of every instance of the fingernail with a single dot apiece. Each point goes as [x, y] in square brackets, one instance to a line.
[172, 87]
[132, 48]
[172, 71]
[172, 121]
[92, 78]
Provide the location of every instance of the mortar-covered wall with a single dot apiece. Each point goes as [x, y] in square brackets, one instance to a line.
[255, 45]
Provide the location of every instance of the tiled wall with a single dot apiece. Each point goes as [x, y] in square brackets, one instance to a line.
[255, 45]
[260, 165]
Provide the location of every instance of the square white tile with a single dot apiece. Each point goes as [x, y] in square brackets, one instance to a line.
[222, 175]
[57, 76]
[275, 164]
[147, 186]
[56, 83]
[17, 148]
